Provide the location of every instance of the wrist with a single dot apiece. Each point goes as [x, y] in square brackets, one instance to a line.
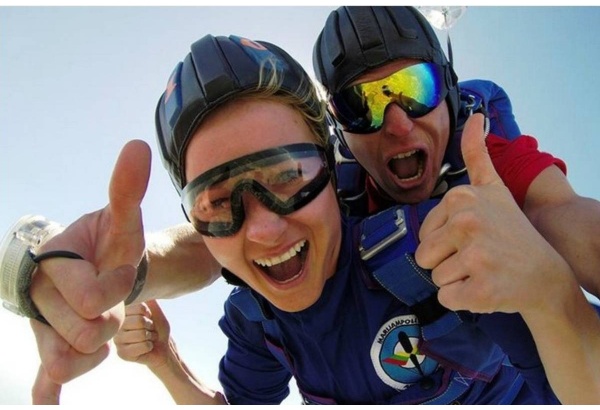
[168, 364]
[140, 279]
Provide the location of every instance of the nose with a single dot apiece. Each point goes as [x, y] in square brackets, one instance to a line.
[396, 122]
[262, 225]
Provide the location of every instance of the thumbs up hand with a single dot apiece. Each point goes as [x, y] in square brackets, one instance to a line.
[484, 254]
[145, 335]
[83, 299]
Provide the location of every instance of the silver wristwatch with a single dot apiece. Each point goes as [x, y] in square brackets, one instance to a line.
[17, 249]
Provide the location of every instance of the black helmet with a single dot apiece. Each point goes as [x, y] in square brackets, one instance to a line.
[215, 71]
[357, 39]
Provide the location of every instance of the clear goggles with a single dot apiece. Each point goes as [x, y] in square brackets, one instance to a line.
[417, 89]
[283, 179]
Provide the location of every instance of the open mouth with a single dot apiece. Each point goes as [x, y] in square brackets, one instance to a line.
[287, 266]
[408, 166]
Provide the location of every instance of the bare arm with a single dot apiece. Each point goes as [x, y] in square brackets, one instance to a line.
[569, 222]
[486, 256]
[179, 263]
[183, 386]
[563, 321]
[145, 338]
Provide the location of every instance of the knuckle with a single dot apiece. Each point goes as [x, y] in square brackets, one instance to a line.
[459, 196]
[58, 370]
[122, 352]
[446, 299]
[92, 334]
[91, 302]
[436, 277]
[467, 222]
[422, 255]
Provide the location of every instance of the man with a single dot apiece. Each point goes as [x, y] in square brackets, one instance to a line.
[370, 59]
[403, 156]
[88, 324]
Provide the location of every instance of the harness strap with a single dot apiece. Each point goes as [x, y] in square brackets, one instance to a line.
[394, 267]
[387, 244]
[351, 184]
[453, 392]
[255, 311]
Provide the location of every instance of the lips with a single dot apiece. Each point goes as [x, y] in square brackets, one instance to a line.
[408, 166]
[286, 267]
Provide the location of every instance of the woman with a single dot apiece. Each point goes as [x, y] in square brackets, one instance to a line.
[242, 135]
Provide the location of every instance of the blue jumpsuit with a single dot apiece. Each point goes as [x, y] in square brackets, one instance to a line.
[358, 344]
[362, 344]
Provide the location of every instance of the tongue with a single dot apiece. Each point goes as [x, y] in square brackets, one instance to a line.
[285, 270]
[405, 167]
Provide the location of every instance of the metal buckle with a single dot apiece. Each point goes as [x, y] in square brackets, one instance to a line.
[400, 224]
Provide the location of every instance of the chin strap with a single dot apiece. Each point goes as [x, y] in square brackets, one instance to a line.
[472, 107]
[441, 186]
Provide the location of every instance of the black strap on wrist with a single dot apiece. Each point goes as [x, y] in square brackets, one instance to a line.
[140, 279]
[27, 302]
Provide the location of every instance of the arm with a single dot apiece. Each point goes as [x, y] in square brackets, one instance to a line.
[487, 257]
[570, 223]
[145, 339]
[178, 263]
[566, 220]
[83, 299]
[564, 321]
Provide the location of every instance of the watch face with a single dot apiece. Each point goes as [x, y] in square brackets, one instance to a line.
[16, 264]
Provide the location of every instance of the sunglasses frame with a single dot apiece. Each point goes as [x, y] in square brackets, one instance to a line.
[357, 124]
[239, 165]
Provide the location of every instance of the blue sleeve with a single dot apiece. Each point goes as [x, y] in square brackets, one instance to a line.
[498, 105]
[249, 373]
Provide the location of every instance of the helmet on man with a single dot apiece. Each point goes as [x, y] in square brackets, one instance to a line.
[357, 39]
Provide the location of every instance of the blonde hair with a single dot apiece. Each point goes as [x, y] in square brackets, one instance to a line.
[305, 99]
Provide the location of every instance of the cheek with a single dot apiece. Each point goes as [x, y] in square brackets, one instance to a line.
[439, 129]
[224, 250]
[324, 204]
[362, 147]
[444, 125]
[327, 229]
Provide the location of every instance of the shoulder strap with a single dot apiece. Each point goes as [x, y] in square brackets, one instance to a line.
[255, 309]
[388, 241]
[350, 179]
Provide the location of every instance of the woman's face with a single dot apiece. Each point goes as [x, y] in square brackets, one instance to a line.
[286, 258]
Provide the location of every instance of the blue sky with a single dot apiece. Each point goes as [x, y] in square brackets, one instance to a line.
[77, 83]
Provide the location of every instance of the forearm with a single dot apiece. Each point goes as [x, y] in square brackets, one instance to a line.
[181, 383]
[573, 230]
[570, 223]
[179, 263]
[566, 330]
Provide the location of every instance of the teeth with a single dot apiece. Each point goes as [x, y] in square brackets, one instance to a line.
[405, 154]
[293, 251]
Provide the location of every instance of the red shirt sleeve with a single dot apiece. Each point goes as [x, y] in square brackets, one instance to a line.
[519, 162]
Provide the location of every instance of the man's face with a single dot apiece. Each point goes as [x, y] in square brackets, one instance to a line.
[405, 156]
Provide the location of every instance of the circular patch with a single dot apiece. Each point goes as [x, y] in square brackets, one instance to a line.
[395, 353]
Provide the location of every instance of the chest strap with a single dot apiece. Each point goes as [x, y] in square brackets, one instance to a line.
[388, 241]
[387, 244]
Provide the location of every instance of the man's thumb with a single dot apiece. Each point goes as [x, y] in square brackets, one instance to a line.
[128, 185]
[477, 160]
